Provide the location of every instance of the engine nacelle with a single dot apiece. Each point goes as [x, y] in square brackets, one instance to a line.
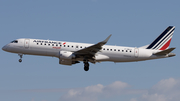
[66, 58]
[66, 55]
[65, 62]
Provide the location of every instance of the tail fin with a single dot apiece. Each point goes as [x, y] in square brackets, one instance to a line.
[163, 41]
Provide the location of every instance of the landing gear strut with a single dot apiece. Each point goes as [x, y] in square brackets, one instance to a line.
[20, 60]
[86, 65]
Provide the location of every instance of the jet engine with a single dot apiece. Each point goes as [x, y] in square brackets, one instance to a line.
[66, 58]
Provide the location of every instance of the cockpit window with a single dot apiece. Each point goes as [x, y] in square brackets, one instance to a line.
[15, 41]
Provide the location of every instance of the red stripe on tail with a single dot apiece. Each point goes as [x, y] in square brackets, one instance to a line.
[166, 45]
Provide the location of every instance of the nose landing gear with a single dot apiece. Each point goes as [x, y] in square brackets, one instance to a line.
[20, 60]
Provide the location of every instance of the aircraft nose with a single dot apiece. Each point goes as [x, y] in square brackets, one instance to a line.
[4, 48]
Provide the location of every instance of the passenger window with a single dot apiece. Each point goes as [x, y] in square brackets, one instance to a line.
[122, 50]
[104, 49]
[64, 45]
[60, 45]
[72, 46]
[118, 50]
[126, 50]
[44, 44]
[111, 49]
[52, 44]
[41, 43]
[114, 49]
[56, 44]
[37, 43]
[68, 45]
[107, 49]
[49, 44]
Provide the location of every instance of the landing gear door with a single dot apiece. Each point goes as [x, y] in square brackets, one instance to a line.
[26, 43]
[136, 52]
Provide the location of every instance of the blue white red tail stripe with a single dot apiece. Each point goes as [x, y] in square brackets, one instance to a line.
[163, 40]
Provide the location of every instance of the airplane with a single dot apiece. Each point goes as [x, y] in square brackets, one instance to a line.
[70, 53]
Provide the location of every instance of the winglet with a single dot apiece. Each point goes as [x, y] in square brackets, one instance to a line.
[164, 52]
[106, 40]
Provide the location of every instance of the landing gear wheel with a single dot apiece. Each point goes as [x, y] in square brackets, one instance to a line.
[86, 66]
[20, 60]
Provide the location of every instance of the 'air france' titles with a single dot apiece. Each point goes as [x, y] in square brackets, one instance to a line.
[51, 42]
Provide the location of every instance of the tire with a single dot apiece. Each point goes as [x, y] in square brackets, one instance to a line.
[86, 68]
[20, 60]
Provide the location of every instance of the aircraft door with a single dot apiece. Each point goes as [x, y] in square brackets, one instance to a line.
[136, 52]
[26, 43]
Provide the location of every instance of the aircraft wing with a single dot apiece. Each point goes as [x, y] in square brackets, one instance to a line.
[90, 51]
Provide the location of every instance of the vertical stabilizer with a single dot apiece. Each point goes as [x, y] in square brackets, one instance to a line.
[163, 41]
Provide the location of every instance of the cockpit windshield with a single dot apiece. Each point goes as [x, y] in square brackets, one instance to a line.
[14, 41]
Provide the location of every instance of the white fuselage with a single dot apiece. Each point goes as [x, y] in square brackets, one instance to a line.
[107, 53]
[70, 53]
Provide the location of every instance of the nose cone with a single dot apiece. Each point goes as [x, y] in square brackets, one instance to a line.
[4, 48]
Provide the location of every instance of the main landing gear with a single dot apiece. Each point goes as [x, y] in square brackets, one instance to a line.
[20, 60]
[86, 65]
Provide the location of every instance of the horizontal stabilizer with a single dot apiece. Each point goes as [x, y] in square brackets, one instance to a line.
[165, 52]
